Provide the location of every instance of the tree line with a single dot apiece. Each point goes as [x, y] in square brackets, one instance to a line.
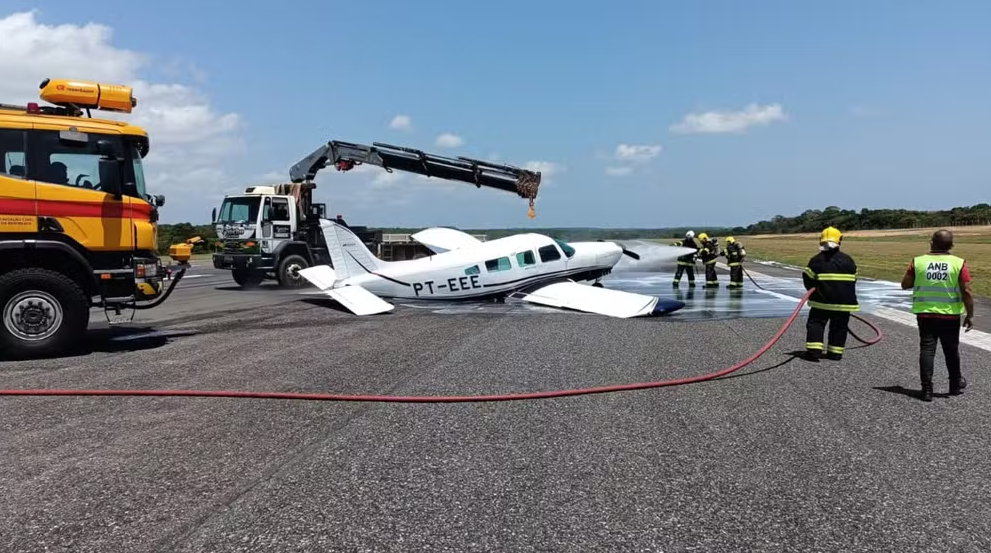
[812, 220]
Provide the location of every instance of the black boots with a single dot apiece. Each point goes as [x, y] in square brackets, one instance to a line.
[956, 389]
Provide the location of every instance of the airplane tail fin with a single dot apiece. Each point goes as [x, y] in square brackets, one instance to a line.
[347, 252]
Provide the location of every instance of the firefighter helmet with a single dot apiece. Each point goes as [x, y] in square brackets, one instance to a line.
[703, 237]
[831, 237]
[730, 240]
[690, 234]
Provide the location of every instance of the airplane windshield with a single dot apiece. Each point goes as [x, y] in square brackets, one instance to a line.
[568, 250]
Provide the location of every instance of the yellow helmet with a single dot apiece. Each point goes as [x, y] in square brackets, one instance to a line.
[703, 236]
[730, 240]
[831, 236]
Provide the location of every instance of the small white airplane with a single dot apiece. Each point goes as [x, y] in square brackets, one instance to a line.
[531, 267]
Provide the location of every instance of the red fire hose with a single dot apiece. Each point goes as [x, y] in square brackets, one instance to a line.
[447, 399]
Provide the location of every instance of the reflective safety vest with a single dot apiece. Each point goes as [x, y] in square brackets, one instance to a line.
[937, 285]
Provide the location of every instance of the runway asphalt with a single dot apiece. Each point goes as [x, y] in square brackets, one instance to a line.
[783, 455]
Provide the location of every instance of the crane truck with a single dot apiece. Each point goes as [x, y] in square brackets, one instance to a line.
[78, 229]
[272, 232]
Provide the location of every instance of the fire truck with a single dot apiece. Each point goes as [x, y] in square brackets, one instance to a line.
[272, 232]
[78, 229]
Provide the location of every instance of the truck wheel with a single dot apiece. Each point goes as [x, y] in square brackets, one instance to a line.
[44, 313]
[289, 268]
[247, 278]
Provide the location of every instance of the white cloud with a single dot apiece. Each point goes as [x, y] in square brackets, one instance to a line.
[619, 171]
[371, 191]
[630, 156]
[547, 169]
[630, 152]
[448, 140]
[377, 176]
[401, 123]
[190, 139]
[730, 121]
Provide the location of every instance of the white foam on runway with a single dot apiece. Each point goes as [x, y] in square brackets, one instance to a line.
[776, 299]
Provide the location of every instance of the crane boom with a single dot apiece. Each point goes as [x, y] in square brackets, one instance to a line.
[346, 155]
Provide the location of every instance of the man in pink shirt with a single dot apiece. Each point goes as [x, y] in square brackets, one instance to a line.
[941, 292]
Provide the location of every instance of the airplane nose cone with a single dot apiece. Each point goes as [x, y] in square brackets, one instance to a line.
[611, 254]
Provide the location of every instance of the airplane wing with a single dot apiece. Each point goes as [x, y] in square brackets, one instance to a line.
[603, 301]
[440, 239]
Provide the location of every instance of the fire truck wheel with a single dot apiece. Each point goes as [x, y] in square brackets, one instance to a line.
[289, 268]
[44, 313]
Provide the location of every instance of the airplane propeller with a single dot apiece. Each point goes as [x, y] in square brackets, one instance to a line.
[630, 253]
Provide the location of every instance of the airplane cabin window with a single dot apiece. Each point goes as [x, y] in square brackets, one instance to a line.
[525, 258]
[568, 250]
[501, 264]
[549, 253]
[473, 270]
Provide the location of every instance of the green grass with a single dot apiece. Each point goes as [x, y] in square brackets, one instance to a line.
[916, 239]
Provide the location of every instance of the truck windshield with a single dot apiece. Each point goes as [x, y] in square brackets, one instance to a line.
[239, 210]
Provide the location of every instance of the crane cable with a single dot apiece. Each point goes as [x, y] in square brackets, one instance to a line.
[449, 399]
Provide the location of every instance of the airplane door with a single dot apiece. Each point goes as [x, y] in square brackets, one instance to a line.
[527, 262]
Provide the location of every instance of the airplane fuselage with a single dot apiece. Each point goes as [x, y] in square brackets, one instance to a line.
[489, 269]
[531, 267]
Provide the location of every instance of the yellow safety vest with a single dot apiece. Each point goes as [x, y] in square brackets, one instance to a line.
[937, 285]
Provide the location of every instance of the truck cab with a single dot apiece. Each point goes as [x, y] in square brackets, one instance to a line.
[265, 233]
[78, 228]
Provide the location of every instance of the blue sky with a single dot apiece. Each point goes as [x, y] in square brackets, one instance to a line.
[863, 104]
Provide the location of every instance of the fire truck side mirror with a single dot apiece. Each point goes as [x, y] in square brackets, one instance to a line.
[105, 148]
[213, 216]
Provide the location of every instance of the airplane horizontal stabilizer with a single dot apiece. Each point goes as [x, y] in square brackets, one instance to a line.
[442, 239]
[359, 301]
[603, 301]
[321, 276]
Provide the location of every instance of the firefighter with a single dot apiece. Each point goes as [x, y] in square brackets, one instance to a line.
[734, 254]
[833, 274]
[709, 254]
[686, 263]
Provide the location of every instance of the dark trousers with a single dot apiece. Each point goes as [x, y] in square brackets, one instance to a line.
[710, 274]
[815, 331]
[946, 332]
[736, 275]
[686, 268]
